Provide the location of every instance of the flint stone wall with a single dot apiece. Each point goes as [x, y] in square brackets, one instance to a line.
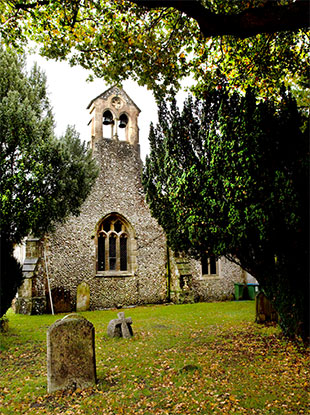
[71, 249]
[217, 287]
[200, 287]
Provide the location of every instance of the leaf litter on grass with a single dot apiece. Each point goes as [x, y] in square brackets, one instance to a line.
[220, 365]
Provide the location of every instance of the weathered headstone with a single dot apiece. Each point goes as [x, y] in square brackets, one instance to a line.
[71, 359]
[82, 297]
[120, 327]
[265, 311]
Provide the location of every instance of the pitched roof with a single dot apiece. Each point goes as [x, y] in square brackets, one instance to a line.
[114, 90]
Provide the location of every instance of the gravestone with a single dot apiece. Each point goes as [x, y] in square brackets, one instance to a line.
[71, 359]
[120, 327]
[265, 311]
[82, 297]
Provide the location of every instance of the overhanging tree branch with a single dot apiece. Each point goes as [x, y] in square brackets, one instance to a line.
[27, 6]
[269, 18]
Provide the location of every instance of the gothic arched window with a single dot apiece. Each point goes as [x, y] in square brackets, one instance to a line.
[114, 246]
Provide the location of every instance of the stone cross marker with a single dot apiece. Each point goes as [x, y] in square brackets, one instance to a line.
[71, 359]
[120, 327]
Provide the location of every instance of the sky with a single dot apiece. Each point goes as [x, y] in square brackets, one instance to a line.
[70, 95]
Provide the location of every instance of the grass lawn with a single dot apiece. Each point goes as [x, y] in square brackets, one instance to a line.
[205, 358]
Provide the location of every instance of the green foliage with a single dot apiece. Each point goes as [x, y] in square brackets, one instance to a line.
[42, 179]
[11, 276]
[157, 47]
[229, 176]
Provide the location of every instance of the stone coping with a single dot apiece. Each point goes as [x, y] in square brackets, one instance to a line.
[113, 274]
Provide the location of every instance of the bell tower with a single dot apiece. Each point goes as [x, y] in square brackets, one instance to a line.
[116, 109]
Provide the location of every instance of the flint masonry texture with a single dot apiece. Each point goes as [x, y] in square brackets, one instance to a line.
[71, 359]
[72, 249]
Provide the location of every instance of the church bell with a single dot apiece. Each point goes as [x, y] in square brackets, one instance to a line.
[123, 121]
[107, 118]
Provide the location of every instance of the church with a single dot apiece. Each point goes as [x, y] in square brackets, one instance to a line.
[114, 254]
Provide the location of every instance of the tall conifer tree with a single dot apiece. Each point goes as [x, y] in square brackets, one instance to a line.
[42, 179]
[229, 176]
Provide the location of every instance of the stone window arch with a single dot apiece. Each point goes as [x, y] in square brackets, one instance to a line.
[115, 247]
[114, 125]
[122, 126]
[108, 123]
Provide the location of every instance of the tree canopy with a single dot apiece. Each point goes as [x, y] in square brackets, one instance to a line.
[216, 18]
[159, 43]
[42, 179]
[229, 176]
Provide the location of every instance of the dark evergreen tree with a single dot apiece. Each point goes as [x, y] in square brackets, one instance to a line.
[42, 179]
[11, 276]
[229, 176]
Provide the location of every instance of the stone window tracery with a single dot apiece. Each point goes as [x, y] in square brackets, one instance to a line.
[114, 247]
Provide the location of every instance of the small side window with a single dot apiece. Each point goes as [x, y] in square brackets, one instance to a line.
[209, 264]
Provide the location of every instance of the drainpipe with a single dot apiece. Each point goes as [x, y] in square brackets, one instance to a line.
[168, 276]
[48, 281]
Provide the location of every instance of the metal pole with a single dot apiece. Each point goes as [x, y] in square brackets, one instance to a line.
[48, 282]
[168, 275]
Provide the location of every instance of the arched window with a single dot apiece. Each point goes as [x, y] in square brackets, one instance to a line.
[108, 124]
[114, 246]
[122, 130]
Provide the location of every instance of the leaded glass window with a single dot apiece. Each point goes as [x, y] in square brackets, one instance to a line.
[209, 264]
[107, 226]
[123, 253]
[118, 226]
[113, 245]
[212, 265]
[101, 252]
[112, 252]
